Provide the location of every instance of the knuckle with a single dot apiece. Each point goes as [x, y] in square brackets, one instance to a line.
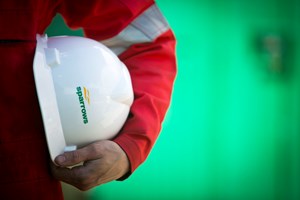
[75, 156]
[84, 184]
[94, 149]
[82, 179]
[84, 187]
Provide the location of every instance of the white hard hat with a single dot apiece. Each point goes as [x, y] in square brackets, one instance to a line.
[84, 91]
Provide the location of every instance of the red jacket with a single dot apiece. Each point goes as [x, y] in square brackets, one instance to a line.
[24, 160]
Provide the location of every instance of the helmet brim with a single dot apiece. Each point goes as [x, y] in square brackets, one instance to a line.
[47, 100]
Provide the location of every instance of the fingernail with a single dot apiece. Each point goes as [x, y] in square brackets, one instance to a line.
[61, 159]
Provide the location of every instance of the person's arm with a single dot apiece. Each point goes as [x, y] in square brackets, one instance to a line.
[145, 43]
[147, 47]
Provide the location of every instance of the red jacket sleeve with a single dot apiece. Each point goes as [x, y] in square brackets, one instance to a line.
[152, 66]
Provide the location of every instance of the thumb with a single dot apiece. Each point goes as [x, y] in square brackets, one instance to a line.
[73, 157]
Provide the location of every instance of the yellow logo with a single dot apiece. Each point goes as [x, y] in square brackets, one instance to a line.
[86, 94]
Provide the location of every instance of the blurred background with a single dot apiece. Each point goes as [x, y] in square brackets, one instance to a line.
[233, 129]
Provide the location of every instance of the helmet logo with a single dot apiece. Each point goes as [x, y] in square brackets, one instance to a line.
[85, 95]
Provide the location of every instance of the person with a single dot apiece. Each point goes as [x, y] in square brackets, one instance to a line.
[138, 33]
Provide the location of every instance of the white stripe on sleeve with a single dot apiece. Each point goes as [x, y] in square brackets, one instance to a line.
[145, 28]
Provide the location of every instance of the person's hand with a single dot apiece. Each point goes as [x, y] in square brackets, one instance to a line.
[103, 161]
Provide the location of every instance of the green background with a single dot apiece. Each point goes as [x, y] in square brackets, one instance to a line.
[233, 129]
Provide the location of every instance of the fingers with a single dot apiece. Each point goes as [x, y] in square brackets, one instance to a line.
[78, 156]
[104, 161]
[84, 177]
[77, 176]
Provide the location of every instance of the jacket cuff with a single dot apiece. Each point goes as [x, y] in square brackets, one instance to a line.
[132, 151]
